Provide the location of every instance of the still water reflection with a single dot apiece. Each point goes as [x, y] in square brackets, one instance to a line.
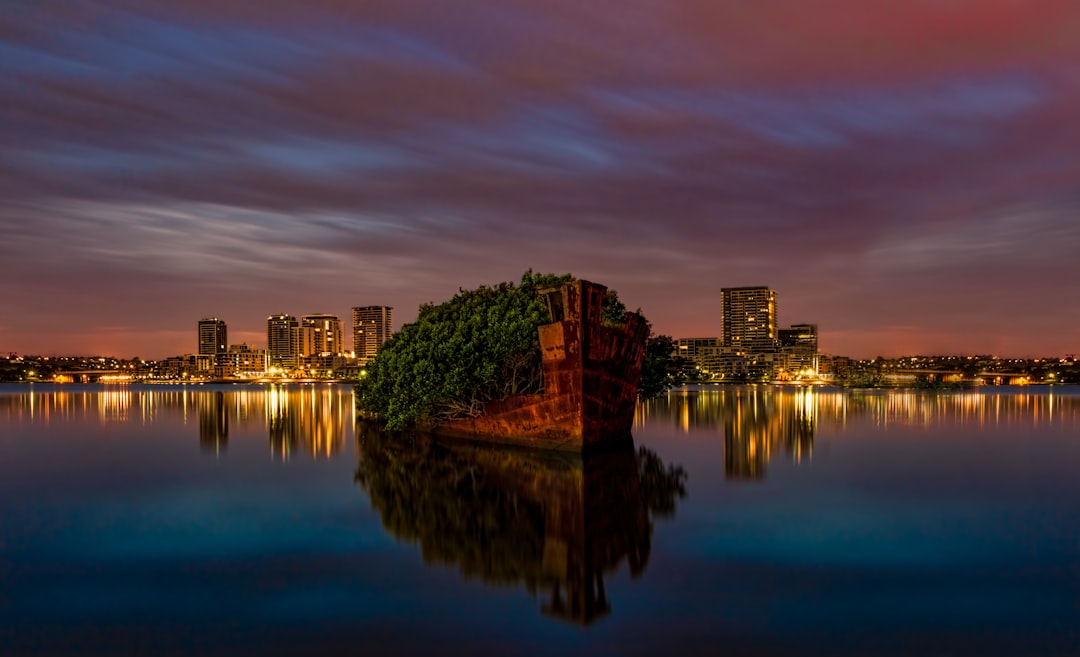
[553, 522]
[743, 520]
[759, 423]
[307, 420]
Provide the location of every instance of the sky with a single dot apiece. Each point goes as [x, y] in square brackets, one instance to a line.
[904, 173]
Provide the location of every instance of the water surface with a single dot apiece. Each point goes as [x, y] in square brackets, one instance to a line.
[743, 520]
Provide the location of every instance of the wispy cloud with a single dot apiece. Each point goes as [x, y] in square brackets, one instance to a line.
[188, 152]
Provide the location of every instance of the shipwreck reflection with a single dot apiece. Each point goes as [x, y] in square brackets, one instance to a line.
[555, 523]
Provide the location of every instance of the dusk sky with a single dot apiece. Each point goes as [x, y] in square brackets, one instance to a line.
[904, 173]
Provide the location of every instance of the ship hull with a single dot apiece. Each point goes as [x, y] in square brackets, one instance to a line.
[591, 372]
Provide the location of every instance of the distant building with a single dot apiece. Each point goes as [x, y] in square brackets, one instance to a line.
[699, 353]
[689, 348]
[327, 336]
[305, 341]
[203, 363]
[283, 341]
[188, 366]
[372, 326]
[836, 367]
[749, 319]
[799, 346]
[324, 365]
[213, 336]
[241, 360]
[799, 338]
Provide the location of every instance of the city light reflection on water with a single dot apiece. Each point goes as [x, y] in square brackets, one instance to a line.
[763, 519]
[300, 419]
[710, 407]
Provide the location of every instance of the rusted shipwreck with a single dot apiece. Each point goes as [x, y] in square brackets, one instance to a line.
[591, 372]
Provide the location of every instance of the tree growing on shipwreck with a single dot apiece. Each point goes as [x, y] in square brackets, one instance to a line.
[470, 354]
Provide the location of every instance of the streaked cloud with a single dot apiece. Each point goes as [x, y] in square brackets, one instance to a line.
[328, 154]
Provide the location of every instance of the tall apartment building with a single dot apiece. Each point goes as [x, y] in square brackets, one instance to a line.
[213, 336]
[327, 336]
[749, 319]
[283, 341]
[372, 326]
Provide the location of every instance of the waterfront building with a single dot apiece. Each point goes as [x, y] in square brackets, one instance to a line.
[372, 326]
[241, 360]
[203, 363]
[305, 341]
[282, 341]
[174, 367]
[213, 336]
[834, 367]
[324, 365]
[698, 352]
[327, 334]
[190, 366]
[689, 348]
[748, 319]
[799, 346]
[799, 338]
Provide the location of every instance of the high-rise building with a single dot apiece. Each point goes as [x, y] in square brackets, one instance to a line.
[372, 326]
[749, 319]
[213, 337]
[282, 341]
[327, 335]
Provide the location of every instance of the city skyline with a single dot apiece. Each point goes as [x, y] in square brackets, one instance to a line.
[904, 172]
[211, 331]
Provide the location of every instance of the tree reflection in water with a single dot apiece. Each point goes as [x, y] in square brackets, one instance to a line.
[554, 522]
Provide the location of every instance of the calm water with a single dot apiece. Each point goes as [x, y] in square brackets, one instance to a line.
[753, 520]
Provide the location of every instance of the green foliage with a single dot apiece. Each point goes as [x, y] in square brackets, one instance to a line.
[532, 281]
[448, 362]
[479, 346]
[613, 310]
[660, 369]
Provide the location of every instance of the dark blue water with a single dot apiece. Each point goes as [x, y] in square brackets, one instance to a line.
[755, 520]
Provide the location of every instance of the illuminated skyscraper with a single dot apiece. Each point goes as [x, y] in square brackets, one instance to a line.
[372, 326]
[282, 340]
[327, 334]
[213, 337]
[749, 319]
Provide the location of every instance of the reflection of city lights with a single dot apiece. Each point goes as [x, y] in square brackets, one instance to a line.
[758, 422]
[309, 420]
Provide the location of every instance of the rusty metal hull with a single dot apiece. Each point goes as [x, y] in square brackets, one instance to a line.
[591, 373]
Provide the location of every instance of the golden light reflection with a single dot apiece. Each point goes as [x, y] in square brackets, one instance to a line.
[761, 423]
[295, 420]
